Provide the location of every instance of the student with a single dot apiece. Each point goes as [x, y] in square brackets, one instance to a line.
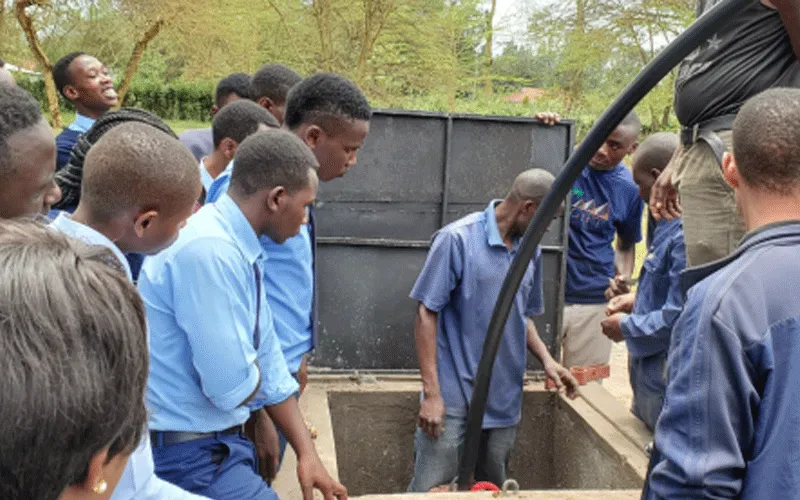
[729, 427]
[230, 127]
[70, 178]
[605, 204]
[456, 291]
[231, 88]
[86, 83]
[215, 358]
[645, 324]
[6, 78]
[139, 186]
[269, 88]
[73, 348]
[27, 156]
[331, 115]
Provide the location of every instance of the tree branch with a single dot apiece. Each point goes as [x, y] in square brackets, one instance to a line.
[136, 57]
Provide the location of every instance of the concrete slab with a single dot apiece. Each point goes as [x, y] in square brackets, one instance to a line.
[522, 495]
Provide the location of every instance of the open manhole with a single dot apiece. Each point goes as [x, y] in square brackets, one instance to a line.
[556, 447]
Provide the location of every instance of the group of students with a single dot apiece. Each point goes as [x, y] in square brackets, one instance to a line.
[198, 380]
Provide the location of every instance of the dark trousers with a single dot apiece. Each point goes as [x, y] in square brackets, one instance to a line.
[223, 467]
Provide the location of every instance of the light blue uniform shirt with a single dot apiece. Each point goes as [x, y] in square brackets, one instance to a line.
[201, 299]
[461, 280]
[205, 177]
[289, 284]
[82, 123]
[139, 480]
[220, 185]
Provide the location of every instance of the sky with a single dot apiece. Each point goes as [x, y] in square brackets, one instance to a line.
[511, 19]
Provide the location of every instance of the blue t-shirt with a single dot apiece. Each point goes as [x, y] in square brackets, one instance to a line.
[605, 203]
[461, 279]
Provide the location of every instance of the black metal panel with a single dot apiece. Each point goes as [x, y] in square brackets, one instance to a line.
[416, 172]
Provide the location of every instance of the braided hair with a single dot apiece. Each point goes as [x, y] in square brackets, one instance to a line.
[69, 178]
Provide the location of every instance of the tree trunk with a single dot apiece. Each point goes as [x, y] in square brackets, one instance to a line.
[376, 13]
[26, 23]
[489, 58]
[136, 57]
[321, 12]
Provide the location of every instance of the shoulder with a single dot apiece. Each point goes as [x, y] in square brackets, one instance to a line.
[67, 137]
[459, 231]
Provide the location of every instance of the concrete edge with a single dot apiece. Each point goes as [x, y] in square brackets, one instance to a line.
[620, 417]
[522, 495]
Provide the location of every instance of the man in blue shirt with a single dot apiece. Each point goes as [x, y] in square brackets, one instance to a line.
[215, 357]
[331, 115]
[231, 88]
[139, 187]
[87, 84]
[233, 124]
[27, 156]
[730, 427]
[644, 320]
[605, 204]
[456, 290]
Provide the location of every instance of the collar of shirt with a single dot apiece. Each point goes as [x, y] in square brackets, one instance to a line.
[82, 123]
[89, 236]
[493, 236]
[241, 230]
[205, 177]
[763, 234]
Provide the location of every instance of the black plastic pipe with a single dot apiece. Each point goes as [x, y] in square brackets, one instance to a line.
[701, 30]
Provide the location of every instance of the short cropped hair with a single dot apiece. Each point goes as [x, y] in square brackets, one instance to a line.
[61, 71]
[273, 81]
[533, 185]
[766, 140]
[18, 111]
[269, 159]
[655, 152]
[73, 348]
[240, 119]
[632, 123]
[136, 165]
[2, 63]
[322, 97]
[70, 177]
[235, 83]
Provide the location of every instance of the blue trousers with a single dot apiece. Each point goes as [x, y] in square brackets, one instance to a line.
[224, 467]
[436, 461]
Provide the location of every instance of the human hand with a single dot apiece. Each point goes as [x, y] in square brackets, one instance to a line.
[563, 379]
[548, 117]
[617, 286]
[302, 374]
[431, 415]
[312, 474]
[621, 303]
[612, 327]
[262, 432]
[664, 202]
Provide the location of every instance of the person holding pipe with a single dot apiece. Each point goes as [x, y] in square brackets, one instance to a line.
[456, 291]
[757, 50]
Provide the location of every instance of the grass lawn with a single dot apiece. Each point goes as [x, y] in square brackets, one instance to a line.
[179, 126]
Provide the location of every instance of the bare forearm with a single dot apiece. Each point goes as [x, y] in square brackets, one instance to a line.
[789, 10]
[425, 338]
[625, 259]
[290, 421]
[535, 344]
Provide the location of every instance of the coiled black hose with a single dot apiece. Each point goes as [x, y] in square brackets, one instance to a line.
[702, 29]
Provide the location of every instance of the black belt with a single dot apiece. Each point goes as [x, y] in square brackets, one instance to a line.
[166, 438]
[705, 131]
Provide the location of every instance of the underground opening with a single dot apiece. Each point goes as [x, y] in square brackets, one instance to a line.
[556, 447]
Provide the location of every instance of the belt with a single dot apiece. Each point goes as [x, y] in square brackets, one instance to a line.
[705, 131]
[166, 438]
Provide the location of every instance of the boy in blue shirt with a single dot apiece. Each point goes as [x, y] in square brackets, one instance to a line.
[605, 204]
[86, 83]
[644, 320]
[139, 186]
[730, 426]
[215, 356]
[27, 156]
[456, 290]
